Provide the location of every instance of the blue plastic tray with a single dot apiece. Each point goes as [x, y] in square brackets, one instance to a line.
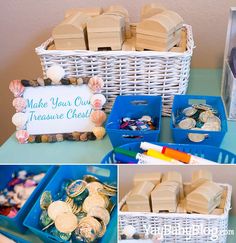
[13, 237]
[6, 172]
[133, 107]
[209, 152]
[181, 135]
[103, 172]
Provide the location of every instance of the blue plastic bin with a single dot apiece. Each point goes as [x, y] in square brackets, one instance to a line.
[6, 172]
[13, 237]
[133, 107]
[103, 172]
[181, 135]
[205, 151]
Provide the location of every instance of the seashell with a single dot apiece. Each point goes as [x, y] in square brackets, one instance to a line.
[40, 81]
[22, 136]
[97, 101]
[19, 103]
[55, 73]
[16, 88]
[19, 119]
[98, 117]
[96, 84]
[99, 132]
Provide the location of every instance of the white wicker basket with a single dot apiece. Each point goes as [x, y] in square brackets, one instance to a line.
[215, 223]
[127, 72]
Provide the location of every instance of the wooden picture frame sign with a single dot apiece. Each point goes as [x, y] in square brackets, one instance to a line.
[57, 108]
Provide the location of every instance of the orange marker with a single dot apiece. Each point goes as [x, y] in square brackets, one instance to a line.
[169, 152]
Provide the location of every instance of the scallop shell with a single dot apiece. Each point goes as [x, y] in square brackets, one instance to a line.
[19, 119]
[22, 136]
[16, 88]
[19, 103]
[99, 132]
[97, 101]
[55, 73]
[96, 84]
[98, 117]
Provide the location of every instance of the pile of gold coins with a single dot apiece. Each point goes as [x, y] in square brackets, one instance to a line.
[202, 117]
[81, 213]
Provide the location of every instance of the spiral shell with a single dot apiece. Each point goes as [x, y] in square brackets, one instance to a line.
[96, 84]
[16, 88]
[19, 103]
[98, 117]
[22, 136]
[97, 101]
[99, 132]
[19, 119]
[55, 73]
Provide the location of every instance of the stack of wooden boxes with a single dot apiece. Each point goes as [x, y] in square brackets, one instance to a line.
[154, 192]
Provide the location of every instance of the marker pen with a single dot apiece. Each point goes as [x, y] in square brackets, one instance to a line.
[145, 159]
[156, 154]
[175, 154]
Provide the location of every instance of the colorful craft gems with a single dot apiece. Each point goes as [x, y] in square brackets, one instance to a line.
[45, 220]
[18, 190]
[45, 200]
[145, 123]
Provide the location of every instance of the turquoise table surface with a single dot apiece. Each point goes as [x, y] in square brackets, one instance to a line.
[202, 82]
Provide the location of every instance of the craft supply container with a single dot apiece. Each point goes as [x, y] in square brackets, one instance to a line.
[102, 172]
[152, 222]
[6, 172]
[13, 237]
[215, 154]
[228, 87]
[181, 135]
[127, 72]
[133, 107]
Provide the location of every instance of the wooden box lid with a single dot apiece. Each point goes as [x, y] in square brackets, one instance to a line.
[106, 23]
[89, 11]
[151, 9]
[206, 193]
[154, 177]
[172, 176]
[141, 192]
[72, 27]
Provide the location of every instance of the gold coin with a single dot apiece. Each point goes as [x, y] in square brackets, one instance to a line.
[100, 213]
[58, 207]
[66, 222]
[93, 187]
[94, 200]
[94, 223]
[103, 229]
